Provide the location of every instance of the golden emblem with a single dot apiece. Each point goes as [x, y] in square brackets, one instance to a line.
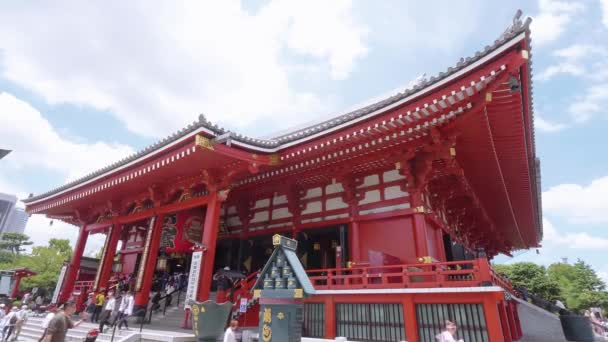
[257, 293]
[267, 315]
[195, 311]
[280, 315]
[266, 333]
[276, 239]
[298, 293]
[203, 142]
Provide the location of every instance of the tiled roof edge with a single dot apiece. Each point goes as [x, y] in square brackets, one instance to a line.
[516, 28]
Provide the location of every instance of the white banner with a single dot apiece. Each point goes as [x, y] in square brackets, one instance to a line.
[193, 277]
[59, 283]
[243, 306]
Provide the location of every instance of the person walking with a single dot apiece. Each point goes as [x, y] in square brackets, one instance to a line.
[45, 323]
[230, 334]
[9, 323]
[22, 317]
[99, 301]
[125, 310]
[2, 319]
[107, 312]
[60, 323]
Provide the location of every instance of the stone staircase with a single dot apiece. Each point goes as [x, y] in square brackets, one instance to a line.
[32, 331]
[161, 329]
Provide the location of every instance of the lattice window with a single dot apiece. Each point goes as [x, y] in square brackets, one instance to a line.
[314, 320]
[370, 322]
[469, 318]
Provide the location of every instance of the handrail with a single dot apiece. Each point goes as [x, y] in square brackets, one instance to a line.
[466, 273]
[179, 290]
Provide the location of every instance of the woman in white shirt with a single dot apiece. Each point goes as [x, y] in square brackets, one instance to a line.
[125, 309]
[449, 333]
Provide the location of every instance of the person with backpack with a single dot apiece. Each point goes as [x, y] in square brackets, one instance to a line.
[45, 323]
[22, 317]
[9, 323]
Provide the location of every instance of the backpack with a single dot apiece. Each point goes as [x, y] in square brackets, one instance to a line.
[13, 320]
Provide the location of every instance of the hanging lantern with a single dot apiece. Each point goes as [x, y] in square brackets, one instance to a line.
[161, 264]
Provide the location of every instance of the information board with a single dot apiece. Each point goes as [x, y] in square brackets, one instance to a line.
[193, 277]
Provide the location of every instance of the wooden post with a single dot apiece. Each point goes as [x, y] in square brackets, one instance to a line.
[15, 290]
[108, 258]
[516, 323]
[70, 278]
[148, 262]
[504, 321]
[355, 245]
[409, 317]
[490, 308]
[210, 228]
[420, 235]
[330, 317]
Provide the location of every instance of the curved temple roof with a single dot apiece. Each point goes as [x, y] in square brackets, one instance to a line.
[509, 37]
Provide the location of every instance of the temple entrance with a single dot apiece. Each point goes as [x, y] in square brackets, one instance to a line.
[317, 248]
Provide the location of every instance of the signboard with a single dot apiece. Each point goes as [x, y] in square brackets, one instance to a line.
[193, 229]
[167, 238]
[102, 262]
[243, 306]
[193, 277]
[59, 283]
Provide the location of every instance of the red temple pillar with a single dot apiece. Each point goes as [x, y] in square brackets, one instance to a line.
[108, 258]
[210, 230]
[70, 278]
[15, 291]
[492, 319]
[147, 265]
[355, 244]
[419, 224]
[504, 321]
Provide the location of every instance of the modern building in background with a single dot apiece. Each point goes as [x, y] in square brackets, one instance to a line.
[3, 153]
[12, 219]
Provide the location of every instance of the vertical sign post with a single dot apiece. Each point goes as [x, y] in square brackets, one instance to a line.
[193, 277]
[59, 283]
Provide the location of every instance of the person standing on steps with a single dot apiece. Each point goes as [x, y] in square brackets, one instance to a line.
[60, 323]
[125, 310]
[45, 323]
[22, 316]
[107, 312]
[9, 323]
[99, 301]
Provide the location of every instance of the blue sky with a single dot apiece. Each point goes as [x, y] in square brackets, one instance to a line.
[84, 84]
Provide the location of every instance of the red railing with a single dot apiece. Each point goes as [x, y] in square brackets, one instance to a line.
[467, 273]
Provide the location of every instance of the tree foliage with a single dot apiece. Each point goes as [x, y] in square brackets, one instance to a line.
[46, 261]
[533, 277]
[581, 287]
[14, 242]
[577, 285]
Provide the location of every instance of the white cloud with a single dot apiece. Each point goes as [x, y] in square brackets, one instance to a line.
[578, 204]
[604, 7]
[574, 61]
[580, 240]
[592, 103]
[553, 18]
[547, 126]
[156, 67]
[41, 231]
[36, 144]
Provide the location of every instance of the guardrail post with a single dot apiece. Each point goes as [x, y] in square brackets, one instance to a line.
[485, 273]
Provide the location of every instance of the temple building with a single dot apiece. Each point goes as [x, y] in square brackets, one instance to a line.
[397, 207]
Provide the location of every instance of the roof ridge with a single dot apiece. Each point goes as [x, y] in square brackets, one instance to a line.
[518, 26]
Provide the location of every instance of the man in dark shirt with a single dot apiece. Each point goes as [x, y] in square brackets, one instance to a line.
[61, 322]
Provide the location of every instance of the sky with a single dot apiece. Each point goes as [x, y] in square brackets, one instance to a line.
[84, 84]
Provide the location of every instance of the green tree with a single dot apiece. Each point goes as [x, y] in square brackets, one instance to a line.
[14, 242]
[580, 285]
[46, 262]
[533, 277]
[63, 245]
